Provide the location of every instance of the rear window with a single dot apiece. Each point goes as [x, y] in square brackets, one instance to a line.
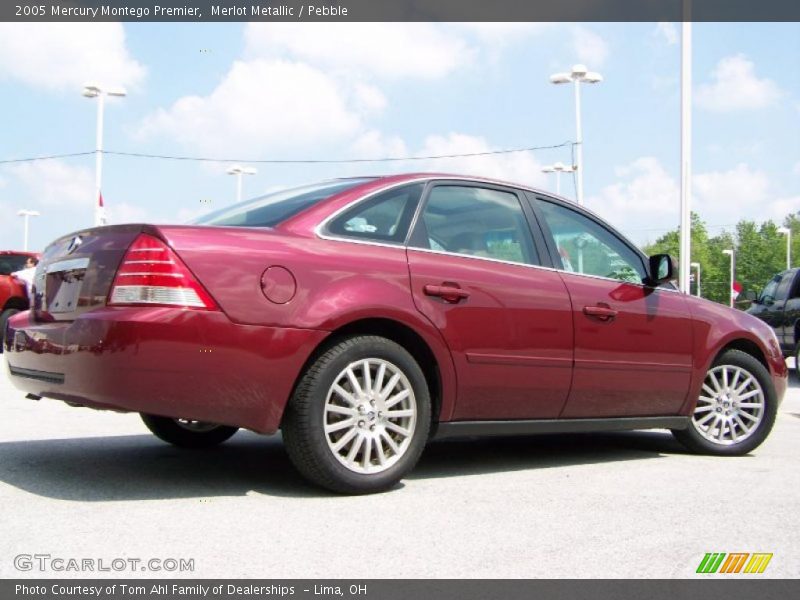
[272, 209]
[10, 263]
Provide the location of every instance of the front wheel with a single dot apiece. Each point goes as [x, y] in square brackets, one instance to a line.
[736, 408]
[359, 418]
[187, 433]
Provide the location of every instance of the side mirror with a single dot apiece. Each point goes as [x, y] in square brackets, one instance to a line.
[751, 296]
[662, 269]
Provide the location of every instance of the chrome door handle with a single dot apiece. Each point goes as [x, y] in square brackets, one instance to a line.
[602, 313]
[448, 293]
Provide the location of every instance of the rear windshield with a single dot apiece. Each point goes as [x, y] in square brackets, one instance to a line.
[12, 262]
[272, 209]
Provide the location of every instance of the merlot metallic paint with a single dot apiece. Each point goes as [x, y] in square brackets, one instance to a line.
[519, 347]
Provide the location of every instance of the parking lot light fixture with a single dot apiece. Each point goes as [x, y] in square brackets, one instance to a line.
[579, 74]
[732, 253]
[558, 168]
[94, 90]
[788, 233]
[26, 214]
[239, 170]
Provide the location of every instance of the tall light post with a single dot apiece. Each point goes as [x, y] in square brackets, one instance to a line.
[732, 253]
[558, 168]
[239, 170]
[788, 233]
[26, 214]
[696, 265]
[579, 74]
[686, 148]
[93, 90]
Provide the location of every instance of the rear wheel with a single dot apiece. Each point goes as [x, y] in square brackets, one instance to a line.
[187, 433]
[3, 318]
[359, 418]
[736, 408]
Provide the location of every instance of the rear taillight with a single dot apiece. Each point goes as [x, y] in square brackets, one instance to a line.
[151, 273]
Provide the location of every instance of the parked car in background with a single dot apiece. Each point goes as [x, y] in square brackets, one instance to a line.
[364, 316]
[778, 306]
[13, 292]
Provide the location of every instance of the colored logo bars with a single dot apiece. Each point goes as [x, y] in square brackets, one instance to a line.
[736, 562]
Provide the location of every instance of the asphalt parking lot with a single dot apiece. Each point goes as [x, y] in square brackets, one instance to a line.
[76, 483]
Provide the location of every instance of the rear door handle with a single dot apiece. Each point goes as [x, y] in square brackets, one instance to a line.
[447, 291]
[603, 313]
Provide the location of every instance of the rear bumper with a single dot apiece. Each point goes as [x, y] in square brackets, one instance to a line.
[175, 363]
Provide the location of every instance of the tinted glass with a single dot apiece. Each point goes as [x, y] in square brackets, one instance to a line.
[770, 291]
[585, 246]
[272, 209]
[385, 217]
[784, 286]
[477, 222]
[9, 263]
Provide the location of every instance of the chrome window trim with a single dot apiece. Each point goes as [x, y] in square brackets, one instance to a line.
[320, 232]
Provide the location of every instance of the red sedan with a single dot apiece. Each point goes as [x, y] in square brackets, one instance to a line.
[365, 316]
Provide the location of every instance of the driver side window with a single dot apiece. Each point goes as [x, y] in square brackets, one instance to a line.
[585, 246]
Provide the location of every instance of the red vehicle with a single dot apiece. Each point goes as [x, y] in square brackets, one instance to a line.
[364, 316]
[13, 293]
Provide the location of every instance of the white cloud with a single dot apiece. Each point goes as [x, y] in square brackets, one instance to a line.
[668, 31]
[518, 167]
[260, 104]
[643, 203]
[124, 212]
[59, 56]
[385, 50]
[589, 47]
[369, 99]
[735, 86]
[724, 197]
[796, 169]
[55, 183]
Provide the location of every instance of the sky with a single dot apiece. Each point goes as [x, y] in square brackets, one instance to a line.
[367, 90]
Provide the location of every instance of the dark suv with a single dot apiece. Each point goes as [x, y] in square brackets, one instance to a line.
[779, 307]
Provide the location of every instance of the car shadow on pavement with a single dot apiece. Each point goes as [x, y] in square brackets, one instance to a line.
[139, 467]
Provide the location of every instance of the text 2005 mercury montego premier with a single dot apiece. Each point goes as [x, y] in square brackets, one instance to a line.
[364, 316]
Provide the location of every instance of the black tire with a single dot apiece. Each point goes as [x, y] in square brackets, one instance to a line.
[694, 441]
[177, 434]
[303, 422]
[3, 318]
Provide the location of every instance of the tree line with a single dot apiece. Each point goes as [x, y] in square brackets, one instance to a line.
[760, 254]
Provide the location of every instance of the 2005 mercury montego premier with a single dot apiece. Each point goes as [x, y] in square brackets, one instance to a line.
[364, 316]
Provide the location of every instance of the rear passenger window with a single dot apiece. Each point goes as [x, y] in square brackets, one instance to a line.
[477, 222]
[385, 217]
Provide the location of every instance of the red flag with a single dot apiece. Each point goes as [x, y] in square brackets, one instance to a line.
[100, 200]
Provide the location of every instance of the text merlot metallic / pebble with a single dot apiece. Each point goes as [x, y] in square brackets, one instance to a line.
[142, 12]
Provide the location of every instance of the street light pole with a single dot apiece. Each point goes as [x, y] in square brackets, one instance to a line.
[92, 90]
[558, 168]
[788, 233]
[239, 170]
[578, 75]
[697, 266]
[732, 253]
[686, 149]
[26, 214]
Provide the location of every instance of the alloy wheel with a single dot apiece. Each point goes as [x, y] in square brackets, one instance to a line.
[370, 415]
[731, 406]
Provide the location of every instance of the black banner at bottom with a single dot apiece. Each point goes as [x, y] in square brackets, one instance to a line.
[400, 589]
